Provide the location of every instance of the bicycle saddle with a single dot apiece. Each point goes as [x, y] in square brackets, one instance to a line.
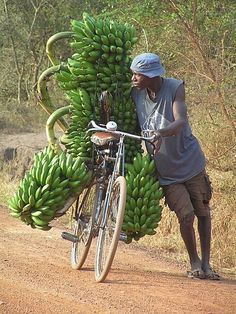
[103, 138]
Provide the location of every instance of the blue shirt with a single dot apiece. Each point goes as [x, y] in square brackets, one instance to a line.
[180, 157]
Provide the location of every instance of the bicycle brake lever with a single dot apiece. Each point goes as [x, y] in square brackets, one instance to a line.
[90, 130]
[153, 148]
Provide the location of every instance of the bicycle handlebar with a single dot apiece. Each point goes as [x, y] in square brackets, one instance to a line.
[96, 127]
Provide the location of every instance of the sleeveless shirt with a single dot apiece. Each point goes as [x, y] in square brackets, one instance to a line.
[180, 157]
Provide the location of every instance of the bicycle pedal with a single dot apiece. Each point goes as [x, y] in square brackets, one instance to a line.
[70, 237]
[123, 237]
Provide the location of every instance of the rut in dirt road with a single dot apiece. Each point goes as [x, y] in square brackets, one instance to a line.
[36, 277]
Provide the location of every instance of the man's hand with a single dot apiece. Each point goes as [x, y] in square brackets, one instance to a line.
[157, 142]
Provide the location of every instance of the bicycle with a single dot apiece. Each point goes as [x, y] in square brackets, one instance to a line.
[99, 210]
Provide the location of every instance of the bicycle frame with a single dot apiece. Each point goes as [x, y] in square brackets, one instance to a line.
[119, 163]
[118, 168]
[106, 188]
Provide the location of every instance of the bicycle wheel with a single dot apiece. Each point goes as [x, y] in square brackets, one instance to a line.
[108, 236]
[86, 210]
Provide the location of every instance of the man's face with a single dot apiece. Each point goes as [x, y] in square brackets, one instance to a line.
[140, 81]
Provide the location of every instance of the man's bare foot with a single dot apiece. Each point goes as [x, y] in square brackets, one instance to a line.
[211, 274]
[197, 273]
[196, 270]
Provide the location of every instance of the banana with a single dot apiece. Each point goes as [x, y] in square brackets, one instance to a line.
[85, 98]
[135, 193]
[64, 76]
[49, 202]
[36, 213]
[25, 196]
[137, 212]
[144, 209]
[69, 161]
[142, 219]
[55, 183]
[38, 193]
[58, 199]
[44, 228]
[32, 200]
[12, 202]
[89, 22]
[15, 214]
[127, 218]
[137, 227]
[38, 173]
[78, 26]
[56, 175]
[44, 173]
[150, 231]
[39, 222]
[14, 209]
[76, 165]
[63, 183]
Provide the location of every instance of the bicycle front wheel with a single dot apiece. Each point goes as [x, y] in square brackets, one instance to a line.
[109, 234]
[83, 226]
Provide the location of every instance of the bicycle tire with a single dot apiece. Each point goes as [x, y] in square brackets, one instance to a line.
[103, 259]
[87, 206]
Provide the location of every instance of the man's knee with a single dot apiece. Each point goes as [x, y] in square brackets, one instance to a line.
[187, 219]
[205, 218]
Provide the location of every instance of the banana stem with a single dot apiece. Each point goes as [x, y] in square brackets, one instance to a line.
[49, 46]
[53, 118]
[44, 99]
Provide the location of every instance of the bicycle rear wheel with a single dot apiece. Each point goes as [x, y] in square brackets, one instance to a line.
[108, 236]
[83, 226]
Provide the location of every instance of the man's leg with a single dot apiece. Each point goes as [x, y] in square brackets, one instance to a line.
[199, 188]
[178, 199]
[204, 229]
[188, 235]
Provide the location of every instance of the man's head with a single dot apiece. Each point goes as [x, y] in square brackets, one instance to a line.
[145, 67]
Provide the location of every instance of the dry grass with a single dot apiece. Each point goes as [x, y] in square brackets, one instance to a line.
[7, 188]
[224, 219]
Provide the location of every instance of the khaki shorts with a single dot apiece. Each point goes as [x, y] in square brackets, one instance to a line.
[191, 196]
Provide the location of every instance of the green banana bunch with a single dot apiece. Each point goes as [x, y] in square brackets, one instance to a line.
[132, 147]
[100, 61]
[79, 145]
[82, 108]
[143, 210]
[66, 80]
[76, 141]
[101, 57]
[74, 170]
[47, 186]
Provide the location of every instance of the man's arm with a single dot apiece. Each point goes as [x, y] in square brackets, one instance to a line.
[180, 118]
[179, 113]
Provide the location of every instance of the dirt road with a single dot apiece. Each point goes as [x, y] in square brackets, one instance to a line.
[35, 273]
[35, 277]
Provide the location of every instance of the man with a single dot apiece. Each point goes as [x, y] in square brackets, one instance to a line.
[180, 162]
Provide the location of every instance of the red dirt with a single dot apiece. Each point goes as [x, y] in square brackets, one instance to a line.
[35, 277]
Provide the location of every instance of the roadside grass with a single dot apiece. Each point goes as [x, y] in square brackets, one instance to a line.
[7, 188]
